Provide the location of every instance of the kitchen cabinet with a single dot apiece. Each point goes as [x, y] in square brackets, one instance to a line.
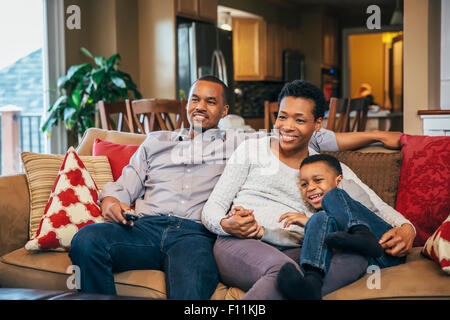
[330, 43]
[203, 10]
[258, 48]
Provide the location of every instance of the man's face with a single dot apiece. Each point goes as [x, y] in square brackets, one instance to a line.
[206, 105]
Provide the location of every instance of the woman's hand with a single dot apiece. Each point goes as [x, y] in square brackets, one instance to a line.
[296, 218]
[398, 241]
[240, 223]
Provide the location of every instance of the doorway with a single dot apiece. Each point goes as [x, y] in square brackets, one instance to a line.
[374, 60]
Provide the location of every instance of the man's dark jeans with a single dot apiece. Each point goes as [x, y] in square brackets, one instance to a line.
[183, 249]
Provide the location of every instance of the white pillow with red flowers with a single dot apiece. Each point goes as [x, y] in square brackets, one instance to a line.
[71, 206]
[437, 246]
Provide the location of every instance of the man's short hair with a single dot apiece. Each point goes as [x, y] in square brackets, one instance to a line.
[214, 79]
[331, 161]
[306, 90]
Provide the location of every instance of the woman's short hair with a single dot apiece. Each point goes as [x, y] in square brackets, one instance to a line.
[306, 90]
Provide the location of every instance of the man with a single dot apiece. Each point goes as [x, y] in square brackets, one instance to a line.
[169, 179]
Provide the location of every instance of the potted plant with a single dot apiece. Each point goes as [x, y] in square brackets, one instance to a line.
[82, 87]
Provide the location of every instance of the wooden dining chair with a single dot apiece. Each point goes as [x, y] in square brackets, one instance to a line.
[338, 115]
[159, 114]
[270, 112]
[361, 108]
[108, 112]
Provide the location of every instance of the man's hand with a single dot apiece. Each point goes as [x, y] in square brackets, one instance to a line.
[293, 218]
[398, 241]
[240, 223]
[390, 140]
[112, 211]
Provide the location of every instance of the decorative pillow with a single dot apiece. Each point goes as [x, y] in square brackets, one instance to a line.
[71, 206]
[424, 190]
[41, 172]
[437, 246]
[379, 171]
[118, 154]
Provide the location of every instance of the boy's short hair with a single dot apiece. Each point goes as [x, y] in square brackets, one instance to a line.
[305, 90]
[331, 161]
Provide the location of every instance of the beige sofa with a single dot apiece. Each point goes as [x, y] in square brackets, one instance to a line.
[419, 277]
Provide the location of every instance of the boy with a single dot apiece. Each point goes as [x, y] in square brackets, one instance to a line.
[344, 220]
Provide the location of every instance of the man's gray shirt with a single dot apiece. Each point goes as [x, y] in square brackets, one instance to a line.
[171, 173]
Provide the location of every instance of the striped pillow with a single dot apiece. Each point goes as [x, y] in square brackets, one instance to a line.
[41, 171]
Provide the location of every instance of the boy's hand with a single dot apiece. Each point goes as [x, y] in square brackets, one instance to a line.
[296, 218]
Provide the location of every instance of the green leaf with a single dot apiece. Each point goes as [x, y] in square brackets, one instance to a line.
[76, 72]
[119, 82]
[100, 61]
[76, 97]
[86, 53]
[98, 75]
[60, 101]
[68, 114]
[62, 80]
[112, 60]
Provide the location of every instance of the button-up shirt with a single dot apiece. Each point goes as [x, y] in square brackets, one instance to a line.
[170, 173]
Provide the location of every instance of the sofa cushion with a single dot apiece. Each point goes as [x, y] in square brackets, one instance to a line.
[49, 270]
[71, 206]
[424, 190]
[41, 172]
[87, 143]
[118, 154]
[417, 278]
[437, 246]
[368, 166]
[14, 212]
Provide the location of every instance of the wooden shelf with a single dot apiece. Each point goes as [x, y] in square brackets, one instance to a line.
[432, 112]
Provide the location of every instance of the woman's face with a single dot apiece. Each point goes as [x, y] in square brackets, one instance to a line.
[296, 123]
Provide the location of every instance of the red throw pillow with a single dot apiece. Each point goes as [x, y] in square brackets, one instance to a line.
[437, 246]
[424, 189]
[71, 206]
[118, 154]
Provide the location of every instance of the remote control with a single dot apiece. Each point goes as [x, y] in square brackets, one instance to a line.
[130, 216]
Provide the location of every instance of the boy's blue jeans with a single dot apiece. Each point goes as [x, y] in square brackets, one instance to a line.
[182, 248]
[340, 213]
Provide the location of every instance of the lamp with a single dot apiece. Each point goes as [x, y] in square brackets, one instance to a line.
[397, 16]
[224, 21]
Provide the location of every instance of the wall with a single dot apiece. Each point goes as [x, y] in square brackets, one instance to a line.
[366, 60]
[107, 27]
[157, 48]
[445, 56]
[421, 77]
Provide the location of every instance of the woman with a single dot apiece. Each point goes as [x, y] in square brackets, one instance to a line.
[259, 183]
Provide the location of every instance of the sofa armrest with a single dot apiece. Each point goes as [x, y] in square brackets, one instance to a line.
[14, 212]
[87, 142]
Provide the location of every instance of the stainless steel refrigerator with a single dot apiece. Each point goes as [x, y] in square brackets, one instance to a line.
[204, 49]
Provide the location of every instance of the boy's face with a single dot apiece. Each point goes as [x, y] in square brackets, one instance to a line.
[316, 179]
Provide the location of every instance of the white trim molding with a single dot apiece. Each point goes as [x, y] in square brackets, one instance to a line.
[54, 67]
